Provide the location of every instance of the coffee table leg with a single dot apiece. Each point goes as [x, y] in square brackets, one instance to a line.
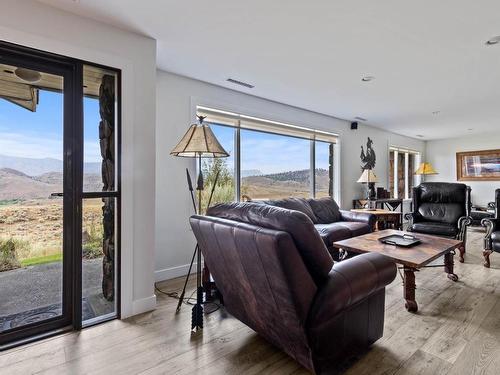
[409, 289]
[448, 266]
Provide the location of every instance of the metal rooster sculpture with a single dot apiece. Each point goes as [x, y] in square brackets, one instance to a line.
[368, 159]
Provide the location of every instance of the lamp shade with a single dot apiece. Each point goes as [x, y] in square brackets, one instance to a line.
[425, 168]
[199, 141]
[367, 177]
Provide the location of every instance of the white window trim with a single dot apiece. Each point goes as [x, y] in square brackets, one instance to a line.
[278, 128]
[407, 153]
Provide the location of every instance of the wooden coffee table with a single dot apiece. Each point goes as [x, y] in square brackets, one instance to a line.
[412, 259]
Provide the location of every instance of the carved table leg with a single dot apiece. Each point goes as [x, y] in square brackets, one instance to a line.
[409, 289]
[486, 255]
[343, 254]
[461, 249]
[448, 266]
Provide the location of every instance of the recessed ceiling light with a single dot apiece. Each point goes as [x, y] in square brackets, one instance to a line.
[367, 78]
[436, 112]
[493, 41]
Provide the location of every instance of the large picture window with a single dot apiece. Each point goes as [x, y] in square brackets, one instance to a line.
[268, 160]
[402, 166]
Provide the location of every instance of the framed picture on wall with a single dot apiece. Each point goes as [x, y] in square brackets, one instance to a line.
[478, 165]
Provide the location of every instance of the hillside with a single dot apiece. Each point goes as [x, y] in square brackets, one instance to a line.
[36, 167]
[18, 185]
[284, 184]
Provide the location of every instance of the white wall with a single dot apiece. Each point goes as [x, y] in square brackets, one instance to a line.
[442, 155]
[36, 25]
[177, 98]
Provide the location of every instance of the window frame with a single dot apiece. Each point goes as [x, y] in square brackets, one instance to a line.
[395, 180]
[276, 128]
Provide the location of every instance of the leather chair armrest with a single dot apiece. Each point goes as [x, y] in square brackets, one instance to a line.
[412, 217]
[492, 225]
[463, 223]
[362, 217]
[351, 281]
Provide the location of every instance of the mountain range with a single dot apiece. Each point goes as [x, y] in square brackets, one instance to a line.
[36, 167]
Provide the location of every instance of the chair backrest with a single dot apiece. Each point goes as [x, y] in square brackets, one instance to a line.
[262, 278]
[442, 201]
[307, 240]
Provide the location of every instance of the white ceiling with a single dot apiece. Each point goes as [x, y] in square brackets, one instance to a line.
[426, 55]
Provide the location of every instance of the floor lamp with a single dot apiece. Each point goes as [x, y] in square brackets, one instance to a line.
[198, 142]
[425, 169]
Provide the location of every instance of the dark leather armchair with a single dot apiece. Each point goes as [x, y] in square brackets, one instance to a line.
[277, 277]
[492, 238]
[441, 209]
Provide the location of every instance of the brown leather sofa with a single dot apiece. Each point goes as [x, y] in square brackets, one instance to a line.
[332, 223]
[277, 277]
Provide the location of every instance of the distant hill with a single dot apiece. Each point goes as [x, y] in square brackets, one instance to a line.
[284, 184]
[18, 185]
[250, 172]
[36, 167]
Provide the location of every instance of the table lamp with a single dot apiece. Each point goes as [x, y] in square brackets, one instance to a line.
[369, 178]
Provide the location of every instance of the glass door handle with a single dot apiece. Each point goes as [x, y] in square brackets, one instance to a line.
[57, 194]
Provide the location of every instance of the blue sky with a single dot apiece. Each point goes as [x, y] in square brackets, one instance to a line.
[39, 134]
[270, 153]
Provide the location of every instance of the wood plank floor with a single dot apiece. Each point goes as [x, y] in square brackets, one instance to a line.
[456, 331]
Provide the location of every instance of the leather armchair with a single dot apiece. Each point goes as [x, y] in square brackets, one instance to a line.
[277, 276]
[441, 209]
[492, 237]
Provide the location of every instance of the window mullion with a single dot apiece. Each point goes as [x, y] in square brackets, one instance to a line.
[396, 187]
[312, 163]
[237, 163]
[407, 156]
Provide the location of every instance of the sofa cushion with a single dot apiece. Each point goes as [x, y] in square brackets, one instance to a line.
[341, 230]
[297, 204]
[332, 232]
[440, 229]
[439, 212]
[326, 210]
[300, 227]
[356, 228]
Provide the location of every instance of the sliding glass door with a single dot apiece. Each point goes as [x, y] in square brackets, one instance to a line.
[58, 212]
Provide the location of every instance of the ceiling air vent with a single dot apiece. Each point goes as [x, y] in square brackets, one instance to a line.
[236, 82]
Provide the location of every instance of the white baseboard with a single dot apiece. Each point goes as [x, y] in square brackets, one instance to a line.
[143, 305]
[173, 272]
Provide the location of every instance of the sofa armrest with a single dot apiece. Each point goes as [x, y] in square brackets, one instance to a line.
[362, 217]
[351, 281]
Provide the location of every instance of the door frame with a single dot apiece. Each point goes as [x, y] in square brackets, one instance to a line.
[73, 143]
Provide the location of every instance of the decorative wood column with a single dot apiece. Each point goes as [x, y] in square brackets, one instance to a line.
[107, 145]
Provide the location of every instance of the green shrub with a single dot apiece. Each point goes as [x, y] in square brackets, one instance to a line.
[92, 241]
[8, 256]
